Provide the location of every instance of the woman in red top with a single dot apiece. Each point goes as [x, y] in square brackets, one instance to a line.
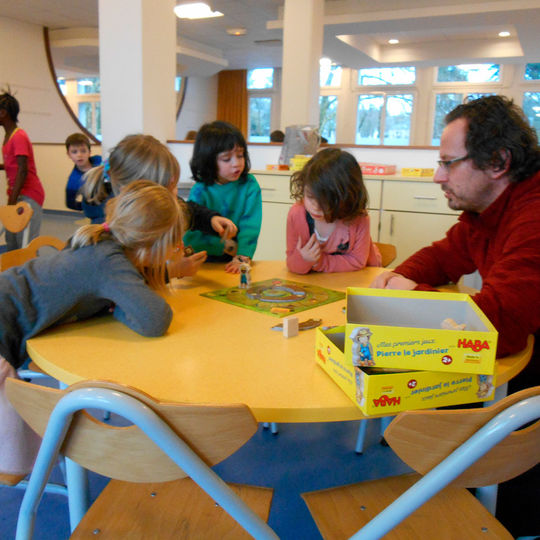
[23, 183]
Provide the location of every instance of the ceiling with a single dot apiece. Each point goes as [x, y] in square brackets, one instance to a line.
[356, 33]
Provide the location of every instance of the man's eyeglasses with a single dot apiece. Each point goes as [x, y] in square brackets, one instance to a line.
[446, 163]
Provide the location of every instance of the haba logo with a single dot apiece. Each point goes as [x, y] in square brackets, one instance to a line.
[475, 345]
[385, 400]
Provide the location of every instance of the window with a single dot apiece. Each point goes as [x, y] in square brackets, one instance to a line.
[90, 85]
[384, 119]
[383, 116]
[90, 116]
[444, 103]
[330, 74]
[469, 73]
[62, 85]
[260, 84]
[260, 78]
[386, 76]
[531, 107]
[327, 117]
[260, 109]
[532, 72]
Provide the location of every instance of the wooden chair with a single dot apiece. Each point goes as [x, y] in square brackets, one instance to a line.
[17, 257]
[15, 218]
[166, 443]
[454, 448]
[387, 251]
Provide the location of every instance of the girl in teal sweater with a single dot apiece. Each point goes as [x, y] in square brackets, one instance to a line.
[220, 166]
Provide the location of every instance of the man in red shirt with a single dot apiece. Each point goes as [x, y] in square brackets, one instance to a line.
[490, 169]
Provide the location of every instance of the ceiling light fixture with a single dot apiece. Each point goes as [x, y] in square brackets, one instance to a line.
[236, 31]
[393, 41]
[195, 10]
[504, 33]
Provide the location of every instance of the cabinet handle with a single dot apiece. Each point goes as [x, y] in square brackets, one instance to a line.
[268, 189]
[392, 225]
[424, 197]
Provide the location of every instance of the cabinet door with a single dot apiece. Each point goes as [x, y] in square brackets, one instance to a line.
[410, 231]
[272, 240]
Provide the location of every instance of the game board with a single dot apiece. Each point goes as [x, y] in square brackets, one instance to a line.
[277, 297]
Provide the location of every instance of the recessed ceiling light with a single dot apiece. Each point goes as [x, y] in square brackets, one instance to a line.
[236, 31]
[195, 10]
[393, 41]
[504, 33]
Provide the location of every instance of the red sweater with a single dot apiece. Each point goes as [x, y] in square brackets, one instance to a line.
[503, 244]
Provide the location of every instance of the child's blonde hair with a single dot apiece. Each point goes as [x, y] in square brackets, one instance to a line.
[147, 221]
[134, 157]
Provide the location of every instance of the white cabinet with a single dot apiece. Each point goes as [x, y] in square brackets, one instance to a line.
[413, 215]
[407, 212]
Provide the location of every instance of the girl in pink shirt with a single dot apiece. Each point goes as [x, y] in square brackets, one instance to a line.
[328, 227]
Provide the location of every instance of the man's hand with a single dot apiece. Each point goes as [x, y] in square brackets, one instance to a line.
[224, 227]
[311, 251]
[391, 280]
[180, 266]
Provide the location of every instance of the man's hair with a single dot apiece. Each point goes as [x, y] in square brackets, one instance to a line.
[497, 127]
[77, 139]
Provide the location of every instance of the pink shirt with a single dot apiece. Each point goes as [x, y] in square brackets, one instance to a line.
[348, 248]
[19, 145]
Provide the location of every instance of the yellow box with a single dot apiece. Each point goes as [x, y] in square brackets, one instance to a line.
[412, 171]
[402, 330]
[378, 393]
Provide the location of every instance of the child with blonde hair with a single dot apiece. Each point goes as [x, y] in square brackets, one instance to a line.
[143, 156]
[113, 267]
[328, 227]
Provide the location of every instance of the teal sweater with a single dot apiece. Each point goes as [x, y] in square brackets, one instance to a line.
[240, 202]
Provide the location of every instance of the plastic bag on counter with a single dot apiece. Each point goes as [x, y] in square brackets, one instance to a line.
[299, 139]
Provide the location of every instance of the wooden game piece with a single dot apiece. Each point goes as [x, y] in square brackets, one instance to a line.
[309, 324]
[450, 324]
[280, 310]
[290, 327]
[306, 325]
[188, 251]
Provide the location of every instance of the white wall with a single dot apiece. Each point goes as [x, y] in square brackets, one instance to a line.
[23, 65]
[200, 105]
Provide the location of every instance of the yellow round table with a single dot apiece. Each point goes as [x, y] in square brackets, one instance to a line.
[219, 353]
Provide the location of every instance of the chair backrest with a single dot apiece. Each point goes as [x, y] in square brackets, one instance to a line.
[17, 257]
[15, 217]
[422, 439]
[126, 453]
[387, 251]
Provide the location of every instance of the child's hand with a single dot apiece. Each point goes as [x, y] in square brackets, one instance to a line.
[233, 267]
[224, 227]
[311, 251]
[230, 246]
[180, 266]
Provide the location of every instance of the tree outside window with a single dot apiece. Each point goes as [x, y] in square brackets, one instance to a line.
[471, 73]
[531, 108]
[260, 109]
[532, 72]
[327, 117]
[444, 103]
[397, 125]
